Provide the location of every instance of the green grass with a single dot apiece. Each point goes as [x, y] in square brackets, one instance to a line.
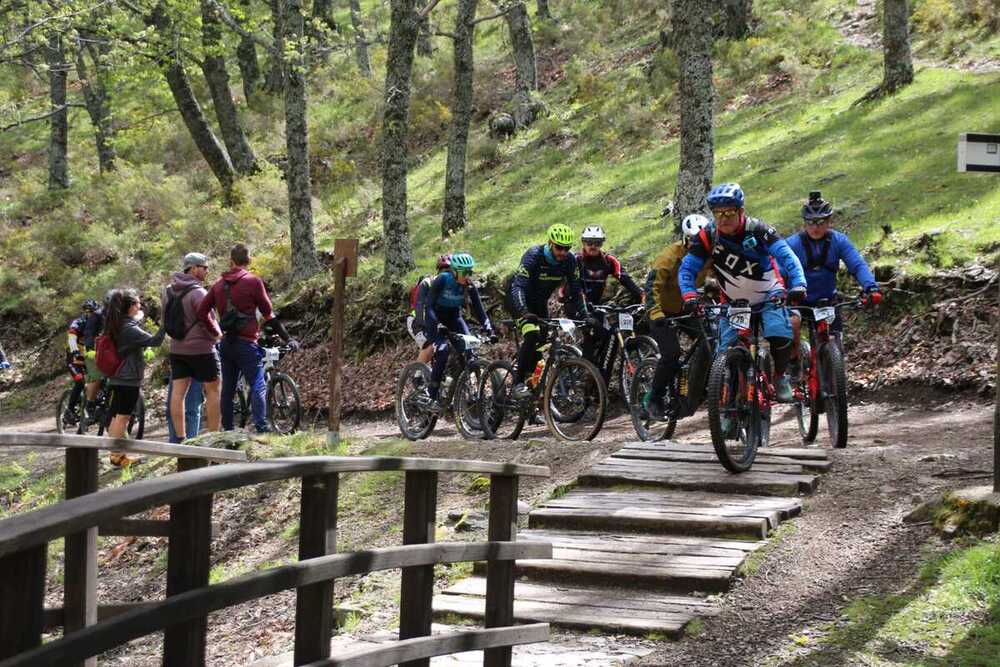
[756, 558]
[949, 615]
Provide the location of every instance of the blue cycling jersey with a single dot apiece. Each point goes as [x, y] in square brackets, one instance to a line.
[821, 259]
[446, 296]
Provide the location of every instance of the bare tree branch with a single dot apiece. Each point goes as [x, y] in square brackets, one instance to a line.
[228, 19]
[427, 10]
[49, 114]
[506, 10]
[49, 19]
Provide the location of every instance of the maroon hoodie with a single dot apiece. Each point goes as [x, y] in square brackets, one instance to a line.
[247, 294]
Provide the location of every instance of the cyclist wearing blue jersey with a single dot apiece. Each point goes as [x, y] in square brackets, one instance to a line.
[821, 249]
[746, 255]
[445, 302]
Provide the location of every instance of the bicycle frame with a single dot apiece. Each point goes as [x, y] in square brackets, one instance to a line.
[761, 389]
[820, 322]
[614, 346]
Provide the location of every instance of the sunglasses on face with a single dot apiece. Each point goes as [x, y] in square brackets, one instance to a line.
[817, 223]
[464, 272]
[726, 213]
[563, 248]
[593, 244]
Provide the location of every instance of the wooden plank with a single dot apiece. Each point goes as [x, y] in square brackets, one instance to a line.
[814, 465]
[788, 507]
[196, 604]
[80, 569]
[681, 578]
[794, 452]
[142, 528]
[188, 562]
[770, 484]
[640, 603]
[411, 650]
[22, 598]
[317, 537]
[730, 562]
[619, 508]
[121, 445]
[499, 607]
[417, 587]
[649, 464]
[576, 617]
[640, 540]
[733, 527]
[622, 545]
[40, 526]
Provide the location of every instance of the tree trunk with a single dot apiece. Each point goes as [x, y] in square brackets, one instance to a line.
[737, 15]
[246, 56]
[360, 40]
[461, 115]
[525, 74]
[304, 260]
[274, 81]
[403, 29]
[95, 95]
[896, 46]
[543, 12]
[214, 67]
[323, 21]
[55, 58]
[187, 104]
[424, 46]
[693, 40]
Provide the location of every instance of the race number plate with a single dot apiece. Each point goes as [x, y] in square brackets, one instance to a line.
[624, 321]
[567, 326]
[472, 342]
[272, 355]
[740, 318]
[825, 314]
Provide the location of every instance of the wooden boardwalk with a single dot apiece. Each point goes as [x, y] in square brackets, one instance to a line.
[645, 535]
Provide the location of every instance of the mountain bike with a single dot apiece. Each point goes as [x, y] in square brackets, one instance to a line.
[687, 390]
[622, 350]
[69, 421]
[571, 389]
[820, 386]
[101, 414]
[740, 391]
[284, 405]
[458, 394]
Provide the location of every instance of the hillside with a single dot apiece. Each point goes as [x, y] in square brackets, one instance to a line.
[605, 153]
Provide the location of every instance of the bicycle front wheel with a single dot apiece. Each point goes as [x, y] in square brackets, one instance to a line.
[833, 380]
[730, 404]
[575, 400]
[502, 416]
[645, 427]
[466, 404]
[68, 423]
[284, 407]
[137, 422]
[807, 390]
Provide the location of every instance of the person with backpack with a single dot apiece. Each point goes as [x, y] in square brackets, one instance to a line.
[193, 357]
[749, 257]
[238, 296]
[120, 353]
[80, 341]
[418, 303]
[820, 250]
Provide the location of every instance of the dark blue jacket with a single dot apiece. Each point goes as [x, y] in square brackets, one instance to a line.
[821, 260]
[538, 276]
[446, 297]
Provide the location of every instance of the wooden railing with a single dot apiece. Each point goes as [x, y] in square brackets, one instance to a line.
[183, 614]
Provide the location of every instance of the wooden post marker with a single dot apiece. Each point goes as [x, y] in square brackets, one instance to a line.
[345, 255]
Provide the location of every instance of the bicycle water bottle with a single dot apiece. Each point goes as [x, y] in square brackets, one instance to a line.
[537, 375]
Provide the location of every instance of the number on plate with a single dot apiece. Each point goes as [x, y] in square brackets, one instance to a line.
[740, 318]
[625, 322]
[828, 314]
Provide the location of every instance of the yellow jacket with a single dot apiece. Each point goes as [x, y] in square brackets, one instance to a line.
[665, 297]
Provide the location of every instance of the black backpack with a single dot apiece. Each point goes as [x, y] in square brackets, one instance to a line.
[173, 314]
[232, 320]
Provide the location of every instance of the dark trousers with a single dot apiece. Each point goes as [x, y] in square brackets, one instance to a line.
[241, 357]
[442, 348]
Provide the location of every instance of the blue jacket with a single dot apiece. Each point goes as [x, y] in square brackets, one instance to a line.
[446, 296]
[748, 265]
[539, 276]
[821, 260]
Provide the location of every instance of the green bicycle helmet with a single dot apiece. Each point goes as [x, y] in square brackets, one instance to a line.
[561, 235]
[462, 261]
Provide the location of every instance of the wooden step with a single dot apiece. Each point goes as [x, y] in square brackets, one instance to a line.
[696, 466]
[809, 453]
[708, 456]
[611, 610]
[711, 478]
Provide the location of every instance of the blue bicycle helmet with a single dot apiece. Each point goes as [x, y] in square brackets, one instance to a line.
[462, 261]
[726, 194]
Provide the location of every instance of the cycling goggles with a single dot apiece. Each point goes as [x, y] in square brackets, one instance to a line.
[818, 222]
[726, 213]
[464, 272]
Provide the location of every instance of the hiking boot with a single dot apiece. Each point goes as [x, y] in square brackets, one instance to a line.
[520, 392]
[783, 391]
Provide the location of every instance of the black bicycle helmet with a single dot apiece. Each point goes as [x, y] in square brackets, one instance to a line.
[89, 304]
[816, 208]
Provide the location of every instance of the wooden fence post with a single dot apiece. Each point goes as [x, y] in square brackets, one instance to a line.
[188, 563]
[345, 253]
[500, 574]
[317, 537]
[22, 600]
[417, 589]
[80, 589]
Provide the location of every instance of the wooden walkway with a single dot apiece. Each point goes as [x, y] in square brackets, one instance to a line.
[645, 535]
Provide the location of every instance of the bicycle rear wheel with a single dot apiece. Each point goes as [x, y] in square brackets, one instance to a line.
[645, 427]
[806, 409]
[412, 399]
[284, 407]
[637, 349]
[241, 407]
[137, 422]
[730, 408]
[62, 425]
[502, 416]
[833, 379]
[575, 400]
[466, 405]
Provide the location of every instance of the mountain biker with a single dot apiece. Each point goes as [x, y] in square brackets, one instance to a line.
[747, 254]
[80, 339]
[122, 323]
[415, 320]
[446, 299]
[193, 358]
[595, 267]
[237, 296]
[543, 269]
[821, 249]
[664, 300]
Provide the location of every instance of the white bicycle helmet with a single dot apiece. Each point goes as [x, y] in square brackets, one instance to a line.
[592, 233]
[693, 224]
